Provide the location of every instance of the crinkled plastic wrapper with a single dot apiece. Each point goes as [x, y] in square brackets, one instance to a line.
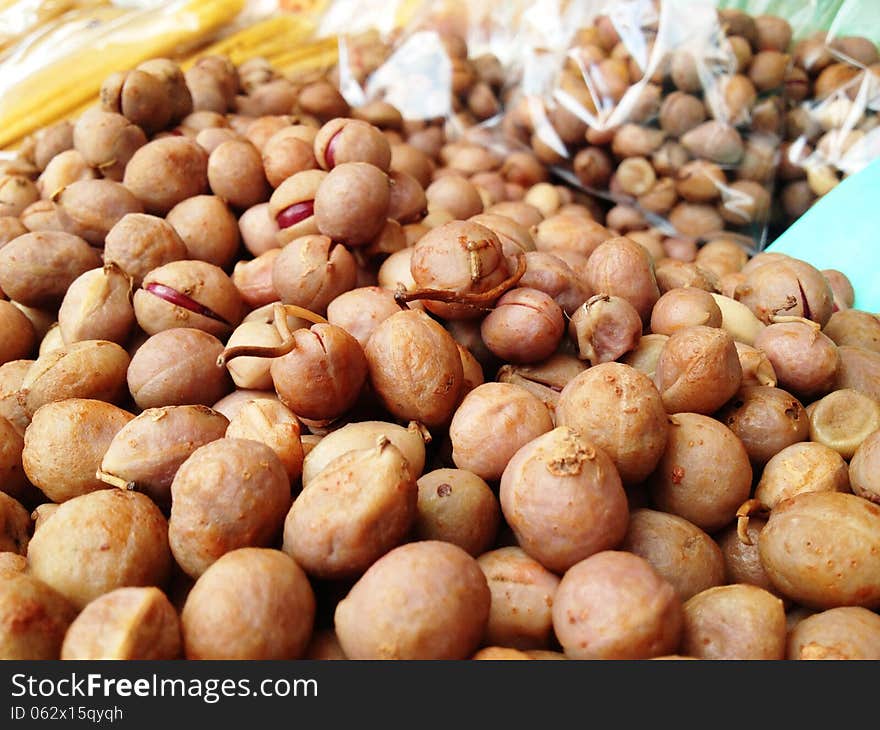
[832, 128]
[435, 62]
[669, 109]
[691, 120]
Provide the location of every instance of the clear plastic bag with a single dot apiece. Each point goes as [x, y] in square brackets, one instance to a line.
[431, 60]
[832, 125]
[659, 106]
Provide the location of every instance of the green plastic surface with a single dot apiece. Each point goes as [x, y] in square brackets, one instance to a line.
[842, 231]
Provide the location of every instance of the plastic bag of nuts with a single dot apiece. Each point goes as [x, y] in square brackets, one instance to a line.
[671, 110]
[831, 123]
[451, 54]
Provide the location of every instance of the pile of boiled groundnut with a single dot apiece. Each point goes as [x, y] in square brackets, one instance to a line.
[281, 378]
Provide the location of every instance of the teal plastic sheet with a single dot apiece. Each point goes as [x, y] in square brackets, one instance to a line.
[840, 232]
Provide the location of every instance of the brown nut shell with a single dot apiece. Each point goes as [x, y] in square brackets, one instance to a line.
[766, 419]
[17, 336]
[165, 172]
[621, 267]
[456, 506]
[208, 300]
[107, 141]
[230, 493]
[821, 550]
[128, 623]
[36, 269]
[148, 450]
[562, 496]
[312, 271]
[13, 480]
[33, 618]
[97, 306]
[803, 467]
[361, 435]
[351, 204]
[207, 228]
[322, 376]
[517, 416]
[351, 140]
[788, 287]
[804, 359]
[359, 311]
[854, 328]
[522, 599]
[139, 243]
[235, 174]
[698, 370]
[734, 622]
[272, 423]
[64, 445]
[863, 469]
[742, 561]
[95, 206]
[381, 618]
[677, 549]
[89, 369]
[63, 170]
[614, 605]
[15, 526]
[258, 229]
[704, 475]
[680, 308]
[613, 393]
[253, 603]
[605, 328]
[859, 369]
[526, 325]
[848, 632]
[178, 367]
[360, 506]
[415, 368]
[101, 541]
[140, 97]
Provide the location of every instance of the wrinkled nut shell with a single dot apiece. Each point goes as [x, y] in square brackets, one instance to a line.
[678, 550]
[562, 496]
[351, 204]
[362, 503]
[619, 409]
[415, 368]
[165, 172]
[517, 416]
[148, 450]
[178, 367]
[458, 507]
[849, 632]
